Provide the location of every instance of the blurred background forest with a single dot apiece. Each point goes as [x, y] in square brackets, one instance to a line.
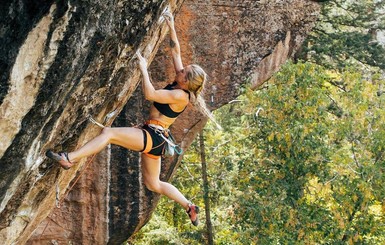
[300, 160]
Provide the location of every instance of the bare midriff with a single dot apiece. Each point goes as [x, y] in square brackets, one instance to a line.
[156, 115]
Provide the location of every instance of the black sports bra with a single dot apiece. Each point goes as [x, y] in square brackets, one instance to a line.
[165, 109]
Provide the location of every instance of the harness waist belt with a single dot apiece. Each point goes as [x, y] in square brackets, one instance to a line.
[156, 124]
[157, 127]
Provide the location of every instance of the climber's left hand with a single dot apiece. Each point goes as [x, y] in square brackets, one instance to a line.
[142, 61]
[169, 19]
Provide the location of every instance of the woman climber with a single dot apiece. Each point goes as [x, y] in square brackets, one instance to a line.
[168, 103]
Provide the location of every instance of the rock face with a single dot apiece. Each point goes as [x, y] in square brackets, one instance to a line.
[63, 61]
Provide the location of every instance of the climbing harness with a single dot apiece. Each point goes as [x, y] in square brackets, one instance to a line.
[170, 148]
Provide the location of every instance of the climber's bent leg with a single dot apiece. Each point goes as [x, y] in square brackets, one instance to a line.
[151, 172]
[130, 138]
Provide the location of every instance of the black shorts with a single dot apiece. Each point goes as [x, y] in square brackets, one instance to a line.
[153, 143]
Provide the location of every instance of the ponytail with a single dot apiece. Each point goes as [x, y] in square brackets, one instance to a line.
[197, 79]
[200, 104]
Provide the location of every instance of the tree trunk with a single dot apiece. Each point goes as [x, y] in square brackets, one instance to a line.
[209, 227]
[175, 214]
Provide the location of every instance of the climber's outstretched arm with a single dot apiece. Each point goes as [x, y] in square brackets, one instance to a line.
[174, 43]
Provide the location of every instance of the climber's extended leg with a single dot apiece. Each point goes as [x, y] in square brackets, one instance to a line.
[130, 138]
[127, 137]
[151, 171]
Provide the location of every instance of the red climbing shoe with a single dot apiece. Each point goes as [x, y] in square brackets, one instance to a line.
[192, 212]
[61, 157]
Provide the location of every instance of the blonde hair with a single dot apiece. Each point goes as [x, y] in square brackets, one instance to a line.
[197, 79]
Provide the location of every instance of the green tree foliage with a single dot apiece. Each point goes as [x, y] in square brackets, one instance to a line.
[307, 173]
[305, 150]
[345, 35]
[299, 161]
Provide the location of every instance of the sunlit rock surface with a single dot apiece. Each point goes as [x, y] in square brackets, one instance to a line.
[64, 61]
